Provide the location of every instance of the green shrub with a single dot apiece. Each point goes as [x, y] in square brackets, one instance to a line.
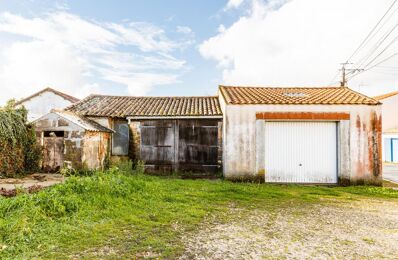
[19, 152]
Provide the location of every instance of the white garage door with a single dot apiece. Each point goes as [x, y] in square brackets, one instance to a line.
[394, 150]
[301, 152]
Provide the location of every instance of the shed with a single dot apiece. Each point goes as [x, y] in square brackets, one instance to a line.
[70, 140]
[325, 135]
[42, 102]
[390, 126]
[167, 133]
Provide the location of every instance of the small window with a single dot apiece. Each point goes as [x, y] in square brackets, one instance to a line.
[53, 133]
[120, 142]
[296, 95]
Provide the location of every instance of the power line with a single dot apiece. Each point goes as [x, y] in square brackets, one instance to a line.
[380, 53]
[371, 32]
[364, 41]
[345, 72]
[380, 41]
[376, 46]
[386, 59]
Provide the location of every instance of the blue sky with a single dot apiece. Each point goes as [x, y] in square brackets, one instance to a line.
[179, 47]
[198, 76]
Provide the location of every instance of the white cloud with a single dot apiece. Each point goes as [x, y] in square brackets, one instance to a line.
[184, 29]
[77, 55]
[233, 4]
[298, 42]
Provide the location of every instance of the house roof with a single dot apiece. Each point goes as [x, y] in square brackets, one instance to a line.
[391, 131]
[128, 106]
[65, 96]
[387, 95]
[294, 96]
[85, 123]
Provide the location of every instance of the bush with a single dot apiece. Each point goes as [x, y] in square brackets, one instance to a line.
[19, 152]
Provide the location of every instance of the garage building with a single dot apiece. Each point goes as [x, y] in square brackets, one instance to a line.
[328, 135]
[167, 133]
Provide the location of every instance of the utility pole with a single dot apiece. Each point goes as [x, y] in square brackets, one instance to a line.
[345, 72]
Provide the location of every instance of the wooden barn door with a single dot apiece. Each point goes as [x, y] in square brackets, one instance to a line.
[157, 145]
[198, 145]
[53, 155]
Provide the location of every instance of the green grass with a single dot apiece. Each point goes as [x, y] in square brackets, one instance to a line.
[135, 213]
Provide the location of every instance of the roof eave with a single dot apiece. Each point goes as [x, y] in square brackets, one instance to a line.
[174, 117]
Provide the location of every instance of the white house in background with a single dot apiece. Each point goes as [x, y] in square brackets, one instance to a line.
[44, 101]
[390, 126]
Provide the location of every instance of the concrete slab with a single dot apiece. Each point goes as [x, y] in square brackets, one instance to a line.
[390, 172]
[37, 179]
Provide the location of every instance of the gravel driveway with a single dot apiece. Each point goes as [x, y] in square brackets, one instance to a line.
[342, 230]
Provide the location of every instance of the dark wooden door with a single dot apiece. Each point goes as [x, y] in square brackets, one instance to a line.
[157, 145]
[198, 145]
[53, 155]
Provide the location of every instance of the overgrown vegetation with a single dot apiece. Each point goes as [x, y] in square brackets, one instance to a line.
[19, 152]
[132, 215]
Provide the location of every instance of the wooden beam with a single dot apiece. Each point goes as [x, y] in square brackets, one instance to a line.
[328, 116]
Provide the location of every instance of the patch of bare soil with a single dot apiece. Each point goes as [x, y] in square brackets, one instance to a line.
[352, 230]
[31, 183]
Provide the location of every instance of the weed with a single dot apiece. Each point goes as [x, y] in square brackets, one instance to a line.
[134, 213]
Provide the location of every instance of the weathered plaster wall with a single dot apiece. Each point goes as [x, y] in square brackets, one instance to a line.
[389, 110]
[360, 140]
[95, 149]
[43, 104]
[81, 148]
[73, 149]
[73, 140]
[135, 141]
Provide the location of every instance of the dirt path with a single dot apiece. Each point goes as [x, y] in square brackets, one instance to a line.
[360, 229]
[31, 183]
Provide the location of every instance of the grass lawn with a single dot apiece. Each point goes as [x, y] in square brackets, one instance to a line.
[138, 215]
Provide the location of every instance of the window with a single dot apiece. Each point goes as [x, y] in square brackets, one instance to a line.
[53, 134]
[120, 142]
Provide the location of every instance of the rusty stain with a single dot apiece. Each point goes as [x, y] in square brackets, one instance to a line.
[358, 122]
[303, 115]
[374, 140]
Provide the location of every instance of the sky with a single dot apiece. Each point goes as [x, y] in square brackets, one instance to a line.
[188, 48]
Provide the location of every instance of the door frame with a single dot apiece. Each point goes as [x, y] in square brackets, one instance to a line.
[392, 148]
[342, 120]
[337, 142]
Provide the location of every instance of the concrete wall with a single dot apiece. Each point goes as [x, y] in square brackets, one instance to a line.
[389, 110]
[43, 104]
[359, 145]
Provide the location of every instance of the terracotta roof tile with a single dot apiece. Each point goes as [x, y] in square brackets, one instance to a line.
[294, 96]
[124, 106]
[387, 95]
[84, 122]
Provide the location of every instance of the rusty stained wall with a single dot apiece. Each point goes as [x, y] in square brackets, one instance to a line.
[81, 148]
[95, 149]
[72, 140]
[73, 148]
[359, 145]
[109, 123]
